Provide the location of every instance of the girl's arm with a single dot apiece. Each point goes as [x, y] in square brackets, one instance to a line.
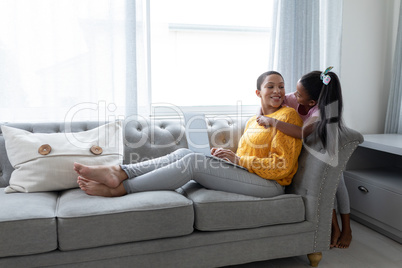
[288, 128]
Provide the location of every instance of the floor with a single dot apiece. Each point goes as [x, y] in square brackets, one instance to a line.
[368, 249]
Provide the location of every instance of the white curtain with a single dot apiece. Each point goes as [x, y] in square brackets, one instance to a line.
[142, 85]
[306, 36]
[67, 60]
[393, 122]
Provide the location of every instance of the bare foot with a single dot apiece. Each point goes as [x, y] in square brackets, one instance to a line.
[336, 231]
[344, 239]
[111, 176]
[98, 189]
[346, 235]
[335, 234]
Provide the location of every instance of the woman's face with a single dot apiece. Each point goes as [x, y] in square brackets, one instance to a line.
[272, 91]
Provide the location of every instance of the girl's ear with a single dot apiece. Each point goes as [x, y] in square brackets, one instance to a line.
[312, 103]
[258, 93]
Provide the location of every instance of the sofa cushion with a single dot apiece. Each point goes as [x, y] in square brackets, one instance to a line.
[44, 161]
[216, 210]
[27, 223]
[90, 221]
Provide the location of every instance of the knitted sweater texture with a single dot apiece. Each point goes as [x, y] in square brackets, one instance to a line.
[268, 152]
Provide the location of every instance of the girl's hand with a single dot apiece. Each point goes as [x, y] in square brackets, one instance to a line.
[265, 121]
[225, 154]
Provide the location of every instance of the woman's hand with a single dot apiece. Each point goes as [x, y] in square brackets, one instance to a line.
[225, 154]
[265, 121]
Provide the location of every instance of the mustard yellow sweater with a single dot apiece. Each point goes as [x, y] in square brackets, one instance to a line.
[270, 153]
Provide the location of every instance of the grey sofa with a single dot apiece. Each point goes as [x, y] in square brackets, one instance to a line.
[189, 227]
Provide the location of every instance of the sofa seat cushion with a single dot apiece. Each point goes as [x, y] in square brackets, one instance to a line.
[90, 221]
[216, 210]
[27, 223]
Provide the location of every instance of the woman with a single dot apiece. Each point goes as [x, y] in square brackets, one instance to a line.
[269, 155]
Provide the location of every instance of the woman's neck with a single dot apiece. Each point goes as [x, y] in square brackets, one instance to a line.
[270, 110]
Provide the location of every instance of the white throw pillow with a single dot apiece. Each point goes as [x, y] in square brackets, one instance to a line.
[44, 162]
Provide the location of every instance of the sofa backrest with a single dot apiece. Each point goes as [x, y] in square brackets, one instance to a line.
[145, 139]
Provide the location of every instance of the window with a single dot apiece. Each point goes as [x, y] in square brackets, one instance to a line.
[207, 55]
[78, 59]
[62, 60]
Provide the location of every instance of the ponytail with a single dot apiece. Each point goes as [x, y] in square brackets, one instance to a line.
[325, 89]
[330, 104]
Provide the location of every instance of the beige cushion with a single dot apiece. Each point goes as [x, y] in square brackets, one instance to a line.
[44, 161]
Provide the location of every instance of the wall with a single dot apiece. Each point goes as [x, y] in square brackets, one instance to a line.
[368, 43]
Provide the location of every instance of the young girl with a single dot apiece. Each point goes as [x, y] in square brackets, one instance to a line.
[318, 100]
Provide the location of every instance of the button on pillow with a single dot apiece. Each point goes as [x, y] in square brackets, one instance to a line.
[44, 149]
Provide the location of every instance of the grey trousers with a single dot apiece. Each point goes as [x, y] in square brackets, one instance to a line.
[176, 169]
[342, 202]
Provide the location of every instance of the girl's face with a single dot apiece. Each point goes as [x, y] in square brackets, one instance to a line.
[272, 91]
[302, 97]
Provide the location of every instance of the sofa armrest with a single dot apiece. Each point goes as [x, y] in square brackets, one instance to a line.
[317, 180]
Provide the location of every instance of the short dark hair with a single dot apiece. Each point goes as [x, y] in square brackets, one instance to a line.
[262, 77]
